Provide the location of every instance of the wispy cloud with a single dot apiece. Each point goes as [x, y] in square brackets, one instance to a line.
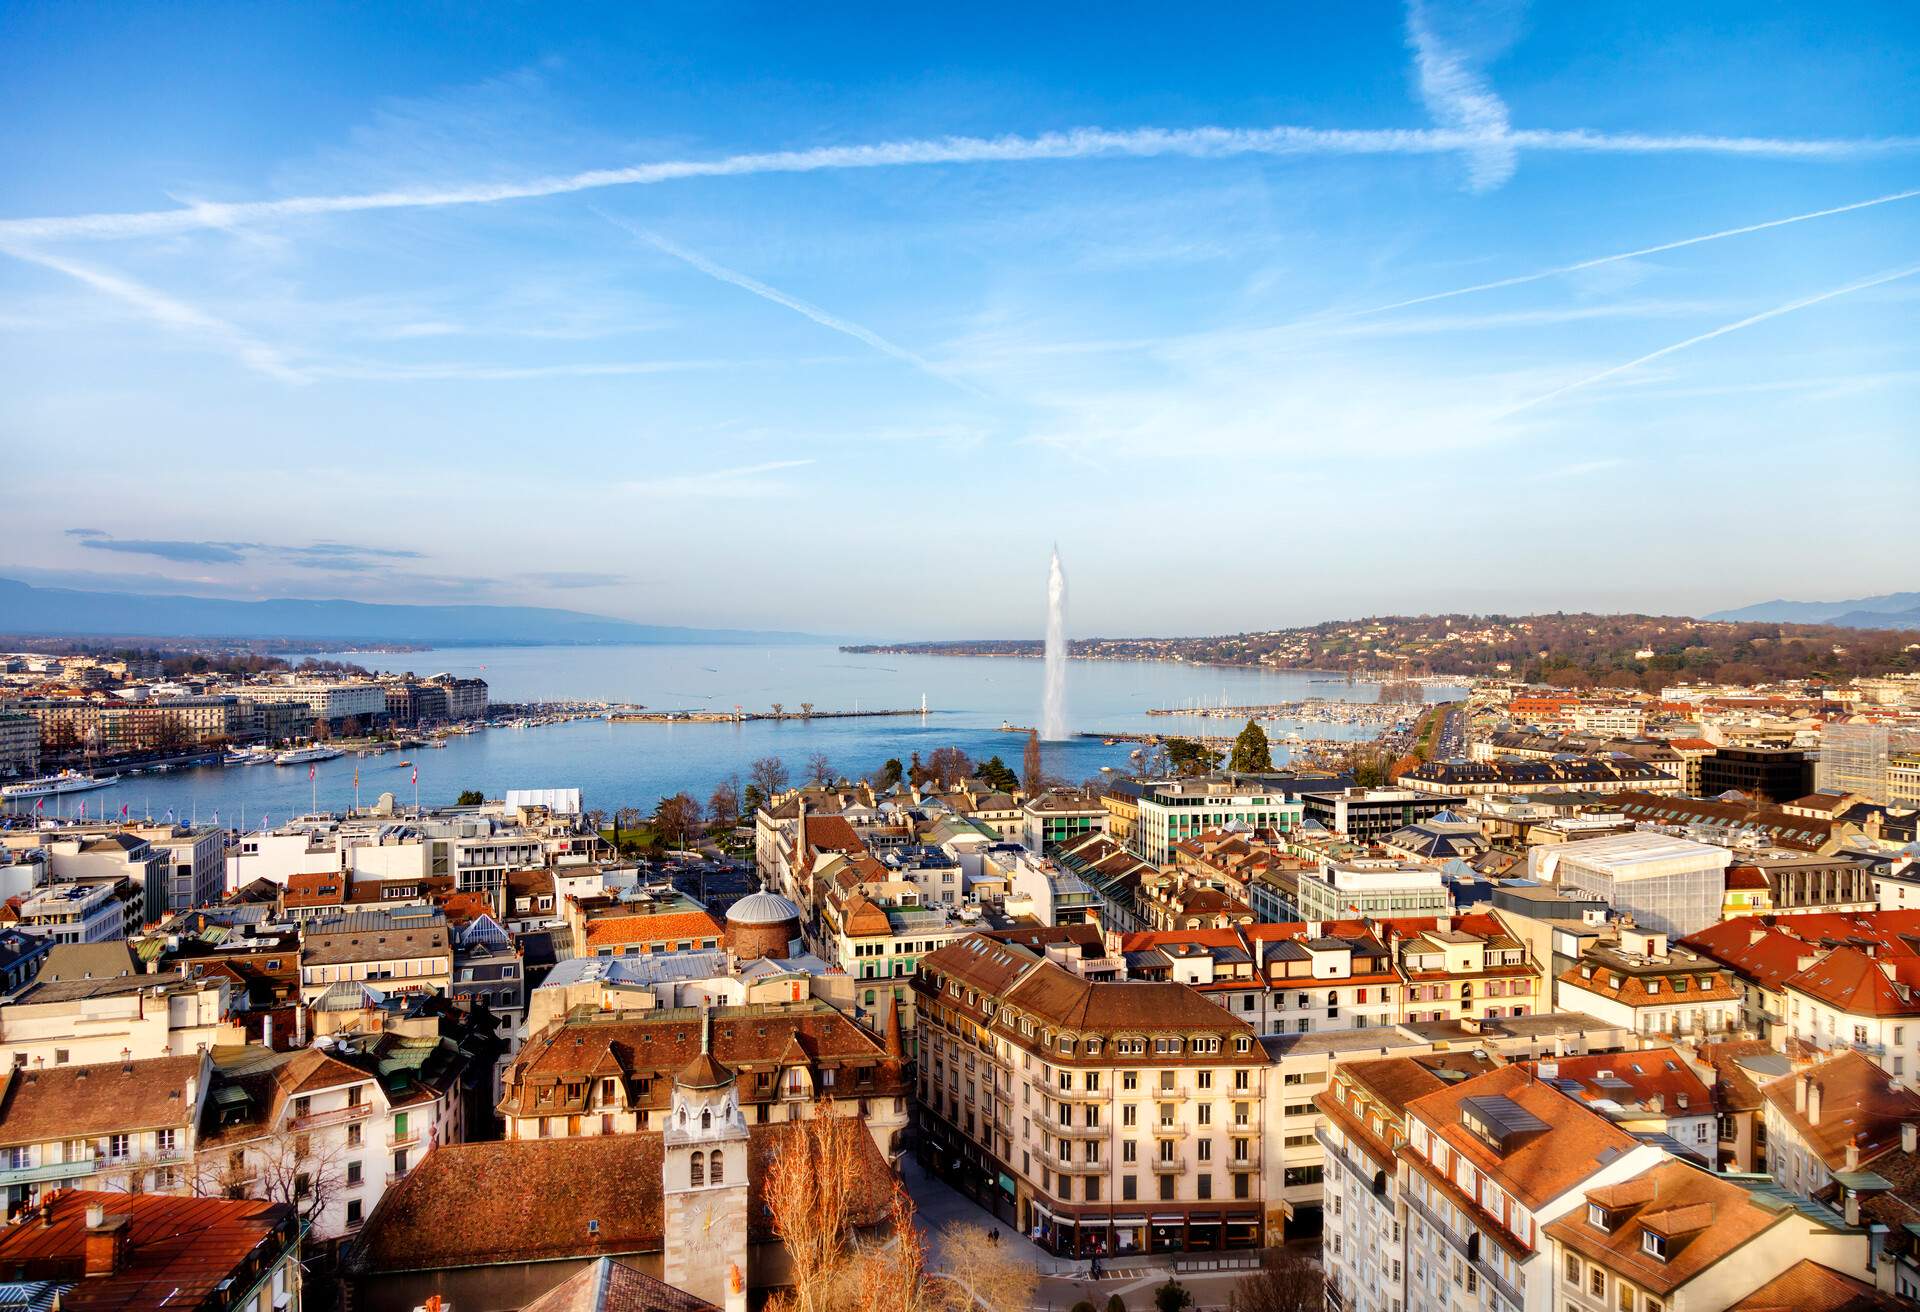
[174, 315]
[1598, 261]
[1752, 319]
[1075, 144]
[1459, 99]
[198, 553]
[794, 303]
[741, 481]
[344, 557]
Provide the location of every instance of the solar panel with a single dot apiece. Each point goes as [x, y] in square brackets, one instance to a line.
[1500, 1118]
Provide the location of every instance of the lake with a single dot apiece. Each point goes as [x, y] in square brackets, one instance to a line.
[616, 765]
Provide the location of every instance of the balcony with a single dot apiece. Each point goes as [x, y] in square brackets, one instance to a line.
[1168, 1165]
[338, 1116]
[401, 1138]
[1169, 1130]
[52, 1171]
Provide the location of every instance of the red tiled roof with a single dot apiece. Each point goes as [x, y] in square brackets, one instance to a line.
[179, 1250]
[1807, 1286]
[665, 926]
[1646, 1074]
[1859, 1107]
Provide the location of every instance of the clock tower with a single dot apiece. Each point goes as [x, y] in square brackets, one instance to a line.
[704, 1182]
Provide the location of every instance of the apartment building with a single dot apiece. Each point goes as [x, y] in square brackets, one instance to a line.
[1677, 1238]
[395, 951]
[605, 1074]
[1362, 1134]
[1833, 1119]
[1296, 978]
[130, 1017]
[1376, 886]
[1464, 968]
[1060, 815]
[1650, 1091]
[1492, 1161]
[119, 1125]
[1174, 810]
[353, 1114]
[81, 913]
[1367, 815]
[1641, 983]
[1831, 982]
[1100, 1118]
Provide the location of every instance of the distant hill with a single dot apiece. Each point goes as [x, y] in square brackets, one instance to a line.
[1570, 650]
[1893, 610]
[59, 612]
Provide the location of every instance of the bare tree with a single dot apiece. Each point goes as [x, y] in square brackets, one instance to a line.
[677, 820]
[723, 807]
[282, 1166]
[983, 1274]
[807, 1190]
[778, 709]
[1285, 1282]
[1031, 775]
[806, 709]
[949, 765]
[769, 775]
[819, 768]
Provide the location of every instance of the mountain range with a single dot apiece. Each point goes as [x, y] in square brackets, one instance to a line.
[26, 610]
[1892, 610]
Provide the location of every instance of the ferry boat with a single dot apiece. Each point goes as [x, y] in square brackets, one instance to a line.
[67, 781]
[302, 755]
[247, 756]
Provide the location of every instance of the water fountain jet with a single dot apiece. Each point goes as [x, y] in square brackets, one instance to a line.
[1053, 720]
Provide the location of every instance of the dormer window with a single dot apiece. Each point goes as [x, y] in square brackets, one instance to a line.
[1653, 1245]
[1598, 1218]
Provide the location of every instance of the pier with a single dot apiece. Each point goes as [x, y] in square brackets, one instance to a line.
[739, 716]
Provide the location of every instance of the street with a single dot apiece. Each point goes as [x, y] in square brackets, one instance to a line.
[1064, 1282]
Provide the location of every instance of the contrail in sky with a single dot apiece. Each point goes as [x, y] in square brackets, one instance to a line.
[177, 316]
[1595, 263]
[1081, 143]
[1708, 336]
[794, 303]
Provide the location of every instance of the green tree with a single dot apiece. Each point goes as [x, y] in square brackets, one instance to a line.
[1115, 1303]
[996, 773]
[1190, 757]
[891, 772]
[1250, 750]
[471, 797]
[1172, 1296]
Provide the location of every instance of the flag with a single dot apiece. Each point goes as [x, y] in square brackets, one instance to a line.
[310, 772]
[356, 776]
[83, 810]
[40, 806]
[170, 815]
[123, 810]
[416, 776]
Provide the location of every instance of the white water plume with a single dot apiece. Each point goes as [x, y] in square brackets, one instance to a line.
[1053, 721]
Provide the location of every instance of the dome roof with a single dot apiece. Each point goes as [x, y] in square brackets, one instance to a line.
[762, 909]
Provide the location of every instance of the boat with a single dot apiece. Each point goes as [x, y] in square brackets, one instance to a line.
[303, 755]
[402, 764]
[67, 781]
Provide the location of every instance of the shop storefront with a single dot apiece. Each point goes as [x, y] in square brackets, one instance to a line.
[1084, 1232]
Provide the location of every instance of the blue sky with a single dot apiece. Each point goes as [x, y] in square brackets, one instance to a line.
[770, 317]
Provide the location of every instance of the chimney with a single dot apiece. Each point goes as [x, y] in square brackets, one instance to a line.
[1853, 1155]
[105, 1252]
[1813, 1101]
[1852, 1207]
[1909, 1136]
[1800, 1093]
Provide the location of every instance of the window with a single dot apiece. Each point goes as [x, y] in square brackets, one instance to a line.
[1129, 1187]
[697, 1170]
[353, 1173]
[716, 1169]
[354, 1210]
[1597, 1282]
[1597, 1217]
[1573, 1270]
[1653, 1245]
